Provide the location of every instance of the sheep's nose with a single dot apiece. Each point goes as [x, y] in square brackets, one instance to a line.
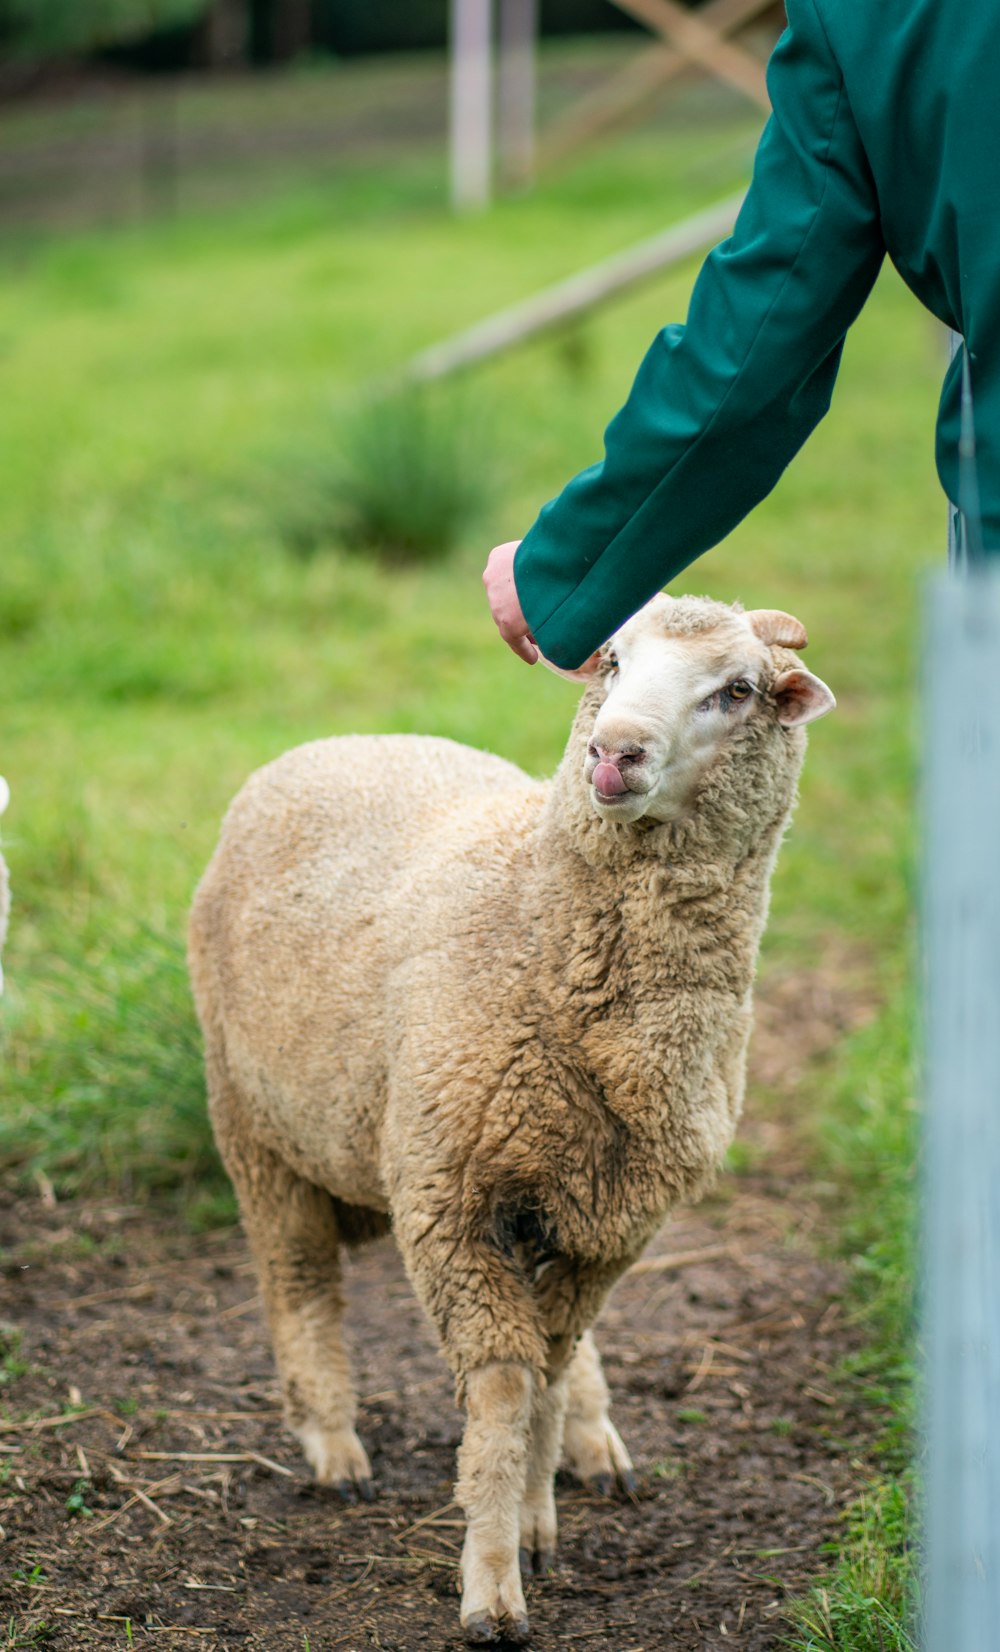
[607, 778]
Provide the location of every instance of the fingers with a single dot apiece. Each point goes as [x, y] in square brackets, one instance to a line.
[505, 606]
[524, 647]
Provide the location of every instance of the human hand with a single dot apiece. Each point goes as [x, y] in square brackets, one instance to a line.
[501, 592]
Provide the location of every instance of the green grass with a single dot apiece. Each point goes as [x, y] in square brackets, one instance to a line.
[170, 390]
[16, 1638]
[12, 1365]
[868, 1143]
[871, 1602]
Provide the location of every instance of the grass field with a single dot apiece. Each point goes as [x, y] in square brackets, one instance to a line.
[175, 394]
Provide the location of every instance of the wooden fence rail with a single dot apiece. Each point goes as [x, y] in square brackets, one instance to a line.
[557, 305]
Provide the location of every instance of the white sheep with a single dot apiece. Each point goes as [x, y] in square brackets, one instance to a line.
[508, 1017]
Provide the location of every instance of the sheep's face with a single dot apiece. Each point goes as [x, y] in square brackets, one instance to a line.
[682, 678]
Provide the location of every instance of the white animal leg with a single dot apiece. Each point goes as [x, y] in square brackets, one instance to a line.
[538, 1511]
[292, 1228]
[592, 1446]
[493, 1466]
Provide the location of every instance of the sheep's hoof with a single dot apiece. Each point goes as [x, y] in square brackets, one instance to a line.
[535, 1562]
[596, 1456]
[338, 1460]
[605, 1485]
[483, 1629]
[350, 1490]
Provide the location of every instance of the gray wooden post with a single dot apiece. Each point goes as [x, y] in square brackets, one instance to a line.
[471, 103]
[962, 1131]
[518, 32]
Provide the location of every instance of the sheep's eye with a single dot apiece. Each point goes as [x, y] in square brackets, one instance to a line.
[612, 662]
[740, 689]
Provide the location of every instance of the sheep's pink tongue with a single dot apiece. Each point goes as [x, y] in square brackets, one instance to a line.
[608, 780]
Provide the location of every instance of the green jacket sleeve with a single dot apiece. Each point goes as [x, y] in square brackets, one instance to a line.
[720, 406]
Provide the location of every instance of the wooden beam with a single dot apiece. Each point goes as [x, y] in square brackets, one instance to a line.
[698, 42]
[621, 96]
[582, 292]
[625, 94]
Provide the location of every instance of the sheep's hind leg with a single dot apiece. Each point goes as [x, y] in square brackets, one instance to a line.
[538, 1524]
[592, 1446]
[292, 1228]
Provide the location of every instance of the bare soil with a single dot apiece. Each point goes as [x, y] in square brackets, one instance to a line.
[149, 1494]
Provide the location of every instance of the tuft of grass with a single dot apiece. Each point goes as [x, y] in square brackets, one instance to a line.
[871, 1603]
[76, 1502]
[743, 1157]
[868, 1143]
[12, 1363]
[868, 1139]
[37, 1635]
[402, 478]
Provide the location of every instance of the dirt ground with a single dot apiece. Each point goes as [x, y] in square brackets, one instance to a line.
[149, 1494]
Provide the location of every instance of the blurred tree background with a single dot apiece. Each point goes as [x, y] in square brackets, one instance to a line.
[33, 32]
[163, 35]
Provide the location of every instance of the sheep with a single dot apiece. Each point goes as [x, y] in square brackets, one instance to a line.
[508, 1018]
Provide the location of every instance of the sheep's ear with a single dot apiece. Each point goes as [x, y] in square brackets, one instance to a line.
[801, 697]
[582, 673]
[773, 626]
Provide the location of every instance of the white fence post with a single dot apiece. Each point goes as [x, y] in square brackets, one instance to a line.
[471, 103]
[518, 31]
[962, 1131]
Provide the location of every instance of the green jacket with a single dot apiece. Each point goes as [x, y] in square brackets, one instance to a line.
[884, 137]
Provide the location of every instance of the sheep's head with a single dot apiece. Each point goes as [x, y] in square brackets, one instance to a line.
[683, 680]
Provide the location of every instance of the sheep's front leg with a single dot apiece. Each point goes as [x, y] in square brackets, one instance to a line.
[493, 1472]
[592, 1445]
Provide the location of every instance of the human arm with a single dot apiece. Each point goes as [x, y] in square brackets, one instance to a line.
[720, 406]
